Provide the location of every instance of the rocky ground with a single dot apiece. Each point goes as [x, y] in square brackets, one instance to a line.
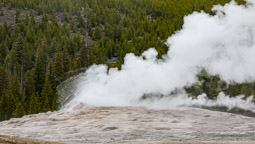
[18, 140]
[9, 15]
[133, 125]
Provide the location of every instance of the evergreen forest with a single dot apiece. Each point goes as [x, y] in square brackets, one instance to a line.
[44, 42]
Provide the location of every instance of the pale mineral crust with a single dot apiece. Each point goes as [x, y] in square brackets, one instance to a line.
[88, 124]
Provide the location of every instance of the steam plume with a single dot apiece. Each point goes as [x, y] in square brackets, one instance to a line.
[222, 44]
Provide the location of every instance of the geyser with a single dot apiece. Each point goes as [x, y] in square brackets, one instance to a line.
[222, 44]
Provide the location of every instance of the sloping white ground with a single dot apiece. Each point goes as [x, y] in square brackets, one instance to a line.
[129, 124]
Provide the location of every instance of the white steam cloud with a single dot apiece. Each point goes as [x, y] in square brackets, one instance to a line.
[223, 44]
[201, 101]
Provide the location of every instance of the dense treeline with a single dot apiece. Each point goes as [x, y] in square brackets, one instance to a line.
[36, 56]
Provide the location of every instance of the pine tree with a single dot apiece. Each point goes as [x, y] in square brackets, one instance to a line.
[45, 21]
[73, 26]
[26, 19]
[66, 62]
[3, 33]
[47, 92]
[19, 112]
[34, 104]
[81, 22]
[4, 51]
[66, 16]
[15, 89]
[46, 106]
[39, 70]
[83, 54]
[54, 104]
[32, 18]
[98, 33]
[76, 64]
[51, 76]
[58, 68]
[7, 105]
[4, 80]
[17, 14]
[29, 85]
[54, 19]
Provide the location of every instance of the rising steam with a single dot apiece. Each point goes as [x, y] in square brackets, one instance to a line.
[222, 44]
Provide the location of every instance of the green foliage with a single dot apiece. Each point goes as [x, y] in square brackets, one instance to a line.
[15, 89]
[83, 55]
[4, 80]
[59, 68]
[29, 85]
[7, 105]
[73, 26]
[213, 85]
[57, 38]
[47, 92]
[46, 106]
[17, 15]
[19, 112]
[39, 69]
[34, 104]
[98, 33]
